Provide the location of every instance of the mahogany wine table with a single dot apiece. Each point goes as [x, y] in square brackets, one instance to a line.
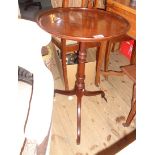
[82, 25]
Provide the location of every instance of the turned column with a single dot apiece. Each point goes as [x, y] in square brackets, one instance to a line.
[80, 86]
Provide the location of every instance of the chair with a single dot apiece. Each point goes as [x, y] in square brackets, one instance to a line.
[110, 48]
[35, 110]
[106, 55]
[70, 46]
[130, 71]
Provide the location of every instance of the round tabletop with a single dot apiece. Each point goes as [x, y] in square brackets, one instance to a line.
[82, 24]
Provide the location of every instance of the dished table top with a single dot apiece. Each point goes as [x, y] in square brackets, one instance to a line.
[82, 24]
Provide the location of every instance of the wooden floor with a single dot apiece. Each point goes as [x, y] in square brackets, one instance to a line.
[101, 121]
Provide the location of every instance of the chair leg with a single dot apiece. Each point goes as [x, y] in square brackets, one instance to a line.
[107, 55]
[97, 70]
[133, 56]
[100, 56]
[64, 66]
[113, 47]
[133, 108]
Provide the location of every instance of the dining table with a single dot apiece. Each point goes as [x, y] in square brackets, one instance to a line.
[83, 25]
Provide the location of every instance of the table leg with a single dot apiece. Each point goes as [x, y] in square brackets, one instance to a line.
[79, 89]
[78, 119]
[92, 93]
[80, 86]
[65, 92]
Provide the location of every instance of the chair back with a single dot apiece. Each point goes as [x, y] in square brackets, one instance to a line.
[78, 3]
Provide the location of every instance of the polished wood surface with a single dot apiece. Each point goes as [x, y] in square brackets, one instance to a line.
[124, 8]
[83, 25]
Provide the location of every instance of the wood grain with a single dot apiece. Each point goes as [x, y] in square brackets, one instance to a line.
[123, 8]
[101, 122]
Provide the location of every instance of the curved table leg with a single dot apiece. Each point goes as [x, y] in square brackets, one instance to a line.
[78, 120]
[92, 93]
[65, 92]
